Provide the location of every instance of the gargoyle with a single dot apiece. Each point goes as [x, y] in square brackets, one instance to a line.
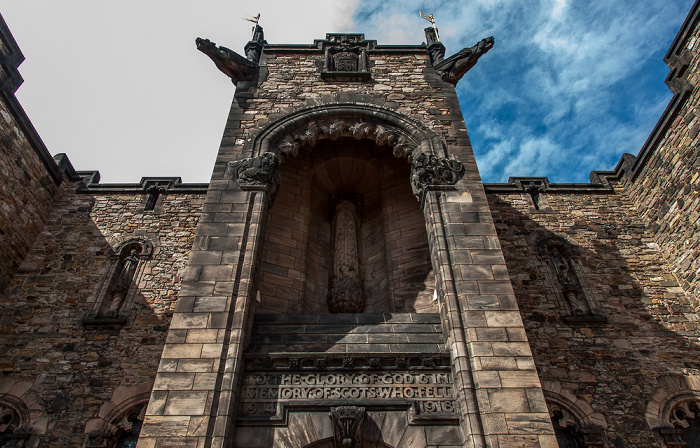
[228, 61]
[453, 68]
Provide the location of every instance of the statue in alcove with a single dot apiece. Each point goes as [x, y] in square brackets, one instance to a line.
[569, 282]
[121, 284]
[346, 295]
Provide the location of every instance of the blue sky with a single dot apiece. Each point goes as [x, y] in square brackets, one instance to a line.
[568, 87]
[120, 88]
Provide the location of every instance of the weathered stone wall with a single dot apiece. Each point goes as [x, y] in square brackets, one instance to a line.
[667, 189]
[74, 369]
[651, 329]
[28, 194]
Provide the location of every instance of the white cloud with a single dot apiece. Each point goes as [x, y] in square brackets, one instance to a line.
[121, 88]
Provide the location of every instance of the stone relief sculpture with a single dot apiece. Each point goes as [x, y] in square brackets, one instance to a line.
[115, 295]
[233, 65]
[430, 170]
[262, 170]
[345, 57]
[570, 284]
[347, 426]
[454, 67]
[346, 295]
[574, 297]
[122, 283]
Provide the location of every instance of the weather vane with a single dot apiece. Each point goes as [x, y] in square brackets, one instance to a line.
[430, 19]
[255, 20]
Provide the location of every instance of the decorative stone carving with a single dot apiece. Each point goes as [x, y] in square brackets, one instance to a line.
[346, 295]
[347, 425]
[568, 279]
[308, 135]
[116, 293]
[534, 189]
[453, 68]
[345, 57]
[122, 283]
[428, 170]
[10, 424]
[233, 65]
[685, 420]
[256, 172]
[154, 192]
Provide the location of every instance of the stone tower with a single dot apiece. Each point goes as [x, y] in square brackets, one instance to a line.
[346, 285]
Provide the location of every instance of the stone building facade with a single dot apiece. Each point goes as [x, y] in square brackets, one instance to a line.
[346, 279]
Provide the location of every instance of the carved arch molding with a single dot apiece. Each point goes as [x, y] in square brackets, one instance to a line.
[285, 136]
[304, 127]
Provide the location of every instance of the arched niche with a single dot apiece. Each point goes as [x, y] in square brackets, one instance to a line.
[358, 153]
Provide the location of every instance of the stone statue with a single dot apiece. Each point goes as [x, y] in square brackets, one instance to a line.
[228, 61]
[346, 294]
[569, 282]
[453, 68]
[122, 283]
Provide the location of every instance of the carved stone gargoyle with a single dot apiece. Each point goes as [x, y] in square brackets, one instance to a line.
[232, 64]
[453, 68]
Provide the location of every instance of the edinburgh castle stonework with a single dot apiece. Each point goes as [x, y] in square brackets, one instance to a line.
[346, 279]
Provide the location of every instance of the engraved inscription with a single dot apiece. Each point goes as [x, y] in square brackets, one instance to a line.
[263, 393]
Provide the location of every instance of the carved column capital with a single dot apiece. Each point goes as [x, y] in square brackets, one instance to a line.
[257, 173]
[429, 170]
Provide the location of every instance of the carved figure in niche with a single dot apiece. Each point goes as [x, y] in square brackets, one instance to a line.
[428, 169]
[568, 279]
[122, 283]
[254, 171]
[346, 295]
[347, 426]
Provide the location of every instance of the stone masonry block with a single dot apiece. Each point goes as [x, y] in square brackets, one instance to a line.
[186, 402]
[503, 319]
[210, 304]
[511, 349]
[508, 400]
[175, 426]
[530, 423]
[189, 320]
[173, 381]
[175, 351]
[520, 378]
